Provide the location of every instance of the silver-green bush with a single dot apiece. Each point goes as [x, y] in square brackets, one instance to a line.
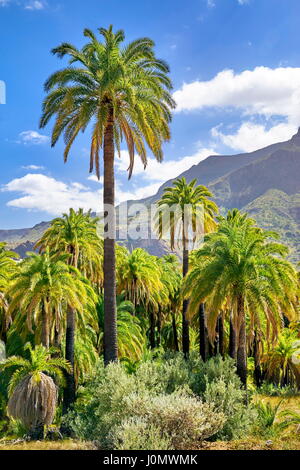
[230, 400]
[115, 397]
[136, 434]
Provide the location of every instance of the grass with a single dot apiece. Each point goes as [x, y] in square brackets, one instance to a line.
[287, 403]
[66, 444]
[286, 441]
[253, 443]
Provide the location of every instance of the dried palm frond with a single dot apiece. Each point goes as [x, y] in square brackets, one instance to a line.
[33, 401]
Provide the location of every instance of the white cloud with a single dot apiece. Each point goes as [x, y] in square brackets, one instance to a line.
[211, 3]
[33, 137]
[95, 179]
[156, 172]
[35, 5]
[38, 192]
[243, 2]
[251, 136]
[263, 91]
[33, 167]
[43, 193]
[136, 193]
[27, 5]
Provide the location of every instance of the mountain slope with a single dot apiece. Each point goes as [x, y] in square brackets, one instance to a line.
[276, 210]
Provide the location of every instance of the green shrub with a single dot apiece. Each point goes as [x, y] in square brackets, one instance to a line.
[230, 400]
[212, 370]
[214, 381]
[115, 397]
[103, 405]
[272, 390]
[267, 424]
[136, 434]
[166, 374]
[180, 416]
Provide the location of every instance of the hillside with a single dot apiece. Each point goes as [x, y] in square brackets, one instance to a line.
[265, 183]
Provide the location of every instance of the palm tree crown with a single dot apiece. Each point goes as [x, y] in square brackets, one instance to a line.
[43, 289]
[40, 361]
[111, 81]
[181, 196]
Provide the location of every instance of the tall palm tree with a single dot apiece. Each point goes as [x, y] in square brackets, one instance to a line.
[124, 91]
[188, 203]
[32, 392]
[241, 265]
[75, 235]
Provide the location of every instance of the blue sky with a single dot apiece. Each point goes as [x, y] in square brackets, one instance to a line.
[235, 66]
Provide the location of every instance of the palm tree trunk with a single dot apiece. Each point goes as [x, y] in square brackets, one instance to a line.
[45, 328]
[152, 331]
[202, 332]
[109, 265]
[232, 339]
[175, 335]
[210, 349]
[257, 368]
[221, 336]
[158, 326]
[242, 344]
[216, 341]
[70, 389]
[185, 322]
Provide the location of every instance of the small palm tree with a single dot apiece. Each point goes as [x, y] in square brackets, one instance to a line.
[32, 391]
[131, 338]
[170, 305]
[75, 236]
[124, 92]
[8, 267]
[40, 289]
[282, 362]
[178, 199]
[268, 415]
[139, 277]
[44, 291]
[141, 280]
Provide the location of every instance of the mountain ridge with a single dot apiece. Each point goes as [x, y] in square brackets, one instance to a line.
[264, 182]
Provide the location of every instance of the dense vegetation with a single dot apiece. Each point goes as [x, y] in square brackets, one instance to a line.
[242, 302]
[124, 348]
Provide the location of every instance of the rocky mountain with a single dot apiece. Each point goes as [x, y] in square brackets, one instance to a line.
[265, 183]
